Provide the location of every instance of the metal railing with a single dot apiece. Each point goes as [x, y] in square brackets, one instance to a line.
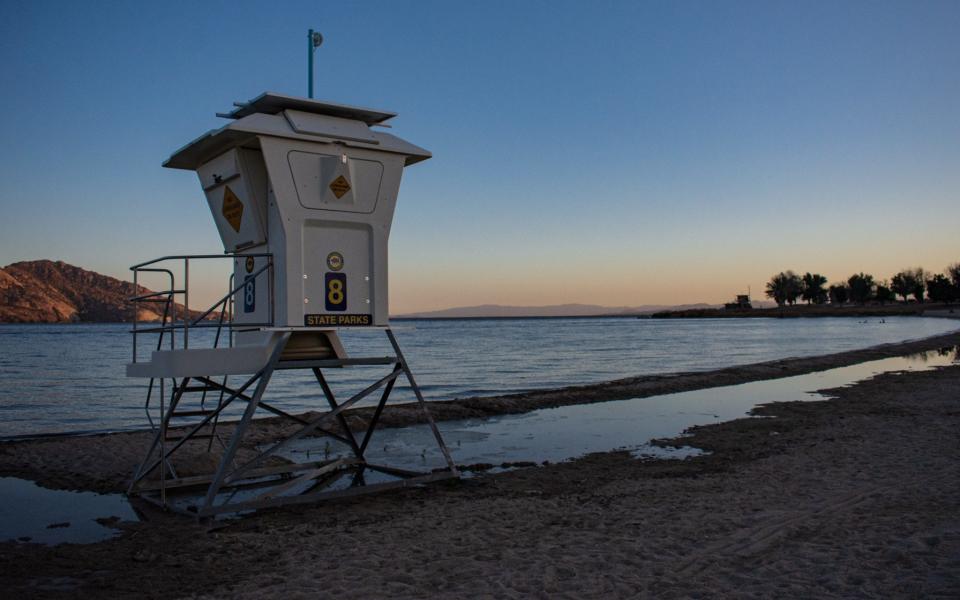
[169, 324]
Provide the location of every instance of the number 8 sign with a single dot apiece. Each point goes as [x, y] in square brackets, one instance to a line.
[336, 291]
[249, 294]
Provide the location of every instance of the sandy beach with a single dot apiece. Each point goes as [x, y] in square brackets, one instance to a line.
[855, 496]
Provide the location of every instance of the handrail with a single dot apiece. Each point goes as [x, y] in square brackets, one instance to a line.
[139, 267]
[231, 293]
[210, 325]
[136, 312]
[168, 298]
[145, 297]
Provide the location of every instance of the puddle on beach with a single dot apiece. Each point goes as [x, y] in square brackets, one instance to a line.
[568, 432]
[30, 513]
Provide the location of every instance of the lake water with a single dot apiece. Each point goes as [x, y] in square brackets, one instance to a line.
[70, 378]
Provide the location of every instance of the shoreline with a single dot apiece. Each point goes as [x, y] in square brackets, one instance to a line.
[108, 459]
[929, 309]
[855, 495]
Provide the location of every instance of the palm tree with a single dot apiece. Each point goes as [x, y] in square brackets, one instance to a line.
[813, 291]
[784, 287]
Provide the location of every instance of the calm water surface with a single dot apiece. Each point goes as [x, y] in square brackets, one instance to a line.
[35, 514]
[61, 378]
[30, 513]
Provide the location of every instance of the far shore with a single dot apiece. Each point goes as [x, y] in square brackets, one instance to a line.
[928, 309]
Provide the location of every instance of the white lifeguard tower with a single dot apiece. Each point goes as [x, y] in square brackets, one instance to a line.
[303, 194]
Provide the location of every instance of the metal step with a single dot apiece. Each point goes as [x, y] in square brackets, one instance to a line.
[196, 436]
[191, 413]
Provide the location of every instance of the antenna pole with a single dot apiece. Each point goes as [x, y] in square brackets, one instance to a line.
[314, 39]
[310, 47]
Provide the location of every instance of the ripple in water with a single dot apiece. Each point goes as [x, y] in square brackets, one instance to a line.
[59, 378]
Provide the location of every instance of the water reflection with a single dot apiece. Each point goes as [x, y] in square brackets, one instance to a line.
[948, 351]
[30, 513]
[558, 434]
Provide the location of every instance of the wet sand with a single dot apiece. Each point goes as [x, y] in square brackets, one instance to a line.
[854, 496]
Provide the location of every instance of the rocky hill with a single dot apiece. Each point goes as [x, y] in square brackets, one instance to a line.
[44, 291]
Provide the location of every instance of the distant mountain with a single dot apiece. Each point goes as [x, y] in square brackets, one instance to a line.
[44, 291]
[556, 310]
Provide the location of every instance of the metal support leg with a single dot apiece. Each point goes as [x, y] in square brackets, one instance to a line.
[416, 390]
[227, 458]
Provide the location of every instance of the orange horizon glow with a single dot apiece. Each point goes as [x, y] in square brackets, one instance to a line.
[685, 284]
[582, 279]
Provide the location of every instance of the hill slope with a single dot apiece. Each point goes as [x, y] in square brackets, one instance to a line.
[44, 291]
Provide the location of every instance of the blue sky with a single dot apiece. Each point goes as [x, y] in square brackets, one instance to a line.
[617, 153]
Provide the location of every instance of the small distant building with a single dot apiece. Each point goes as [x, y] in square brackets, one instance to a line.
[741, 302]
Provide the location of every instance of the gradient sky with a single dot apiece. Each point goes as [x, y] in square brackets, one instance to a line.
[616, 153]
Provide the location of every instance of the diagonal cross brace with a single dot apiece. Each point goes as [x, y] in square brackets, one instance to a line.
[267, 407]
[271, 409]
[378, 411]
[331, 399]
[144, 472]
[312, 426]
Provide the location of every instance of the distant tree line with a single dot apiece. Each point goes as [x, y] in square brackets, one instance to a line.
[786, 288]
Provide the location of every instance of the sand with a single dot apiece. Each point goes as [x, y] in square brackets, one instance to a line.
[857, 496]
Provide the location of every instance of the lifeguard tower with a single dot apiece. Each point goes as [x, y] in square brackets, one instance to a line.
[302, 193]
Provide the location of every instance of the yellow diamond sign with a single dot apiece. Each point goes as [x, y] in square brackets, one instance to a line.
[232, 208]
[339, 186]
